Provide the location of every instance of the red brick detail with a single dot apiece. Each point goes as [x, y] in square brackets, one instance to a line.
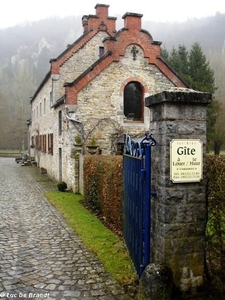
[144, 85]
[132, 21]
[56, 64]
[71, 95]
[145, 89]
[129, 37]
[85, 23]
[122, 87]
[118, 47]
[101, 10]
[151, 51]
[97, 23]
[55, 67]
[71, 91]
[92, 25]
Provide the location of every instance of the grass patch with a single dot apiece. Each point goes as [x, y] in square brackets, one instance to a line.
[107, 246]
[46, 179]
[7, 151]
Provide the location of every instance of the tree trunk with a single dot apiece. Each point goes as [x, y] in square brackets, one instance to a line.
[217, 147]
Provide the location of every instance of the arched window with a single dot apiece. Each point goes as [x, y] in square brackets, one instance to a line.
[133, 101]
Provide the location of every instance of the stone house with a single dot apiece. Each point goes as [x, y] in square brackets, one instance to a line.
[97, 87]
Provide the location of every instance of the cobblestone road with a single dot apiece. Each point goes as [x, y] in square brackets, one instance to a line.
[40, 257]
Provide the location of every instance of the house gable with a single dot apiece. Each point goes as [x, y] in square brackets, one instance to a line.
[86, 91]
[115, 47]
[92, 24]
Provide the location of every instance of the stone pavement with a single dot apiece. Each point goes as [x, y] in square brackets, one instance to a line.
[40, 257]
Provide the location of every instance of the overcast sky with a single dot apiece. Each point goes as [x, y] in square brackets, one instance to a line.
[19, 11]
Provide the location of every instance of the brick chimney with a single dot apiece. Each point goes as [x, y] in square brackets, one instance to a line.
[101, 10]
[132, 21]
[85, 23]
[99, 21]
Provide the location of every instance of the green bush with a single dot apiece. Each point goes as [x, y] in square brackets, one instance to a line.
[62, 186]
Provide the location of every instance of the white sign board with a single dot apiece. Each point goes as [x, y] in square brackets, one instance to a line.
[186, 160]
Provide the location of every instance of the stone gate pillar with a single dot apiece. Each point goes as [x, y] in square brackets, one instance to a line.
[178, 117]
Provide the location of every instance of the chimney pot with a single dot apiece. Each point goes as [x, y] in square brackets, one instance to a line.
[85, 23]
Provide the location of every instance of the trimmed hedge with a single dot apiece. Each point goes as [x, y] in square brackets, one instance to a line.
[103, 188]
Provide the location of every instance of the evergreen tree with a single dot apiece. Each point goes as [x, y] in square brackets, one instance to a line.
[192, 67]
[174, 60]
[200, 74]
[179, 60]
[165, 54]
[195, 70]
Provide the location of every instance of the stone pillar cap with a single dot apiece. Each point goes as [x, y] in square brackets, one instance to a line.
[179, 94]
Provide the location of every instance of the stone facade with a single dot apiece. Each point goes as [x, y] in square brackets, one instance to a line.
[84, 91]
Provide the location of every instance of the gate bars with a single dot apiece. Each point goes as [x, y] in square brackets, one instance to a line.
[137, 199]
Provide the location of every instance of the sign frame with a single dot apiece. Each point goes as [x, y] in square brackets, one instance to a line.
[186, 160]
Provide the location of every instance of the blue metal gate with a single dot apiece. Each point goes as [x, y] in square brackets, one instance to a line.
[137, 197]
